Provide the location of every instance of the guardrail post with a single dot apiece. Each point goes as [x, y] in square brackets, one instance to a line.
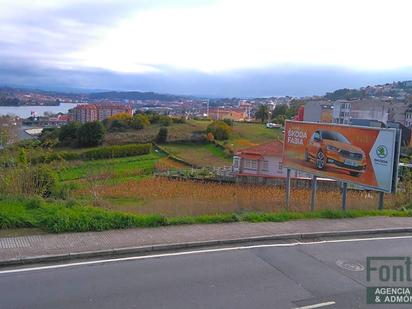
[313, 196]
[287, 193]
[380, 200]
[344, 191]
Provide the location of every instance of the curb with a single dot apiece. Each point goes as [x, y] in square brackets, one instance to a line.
[197, 244]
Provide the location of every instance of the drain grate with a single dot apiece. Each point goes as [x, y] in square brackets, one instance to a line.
[10, 243]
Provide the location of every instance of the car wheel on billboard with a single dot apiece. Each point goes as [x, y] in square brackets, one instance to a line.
[320, 160]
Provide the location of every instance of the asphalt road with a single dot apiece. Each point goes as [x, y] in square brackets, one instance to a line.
[264, 277]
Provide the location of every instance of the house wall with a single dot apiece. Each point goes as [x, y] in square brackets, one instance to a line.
[275, 168]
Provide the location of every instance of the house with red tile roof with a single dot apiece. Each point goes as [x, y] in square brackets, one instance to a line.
[262, 162]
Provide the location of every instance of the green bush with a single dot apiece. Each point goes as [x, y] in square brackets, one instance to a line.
[220, 130]
[139, 121]
[90, 134]
[43, 179]
[68, 133]
[117, 151]
[162, 135]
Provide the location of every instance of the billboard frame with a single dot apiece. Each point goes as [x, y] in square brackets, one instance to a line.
[396, 143]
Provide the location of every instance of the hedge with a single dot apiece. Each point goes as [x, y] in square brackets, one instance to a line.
[96, 153]
[117, 151]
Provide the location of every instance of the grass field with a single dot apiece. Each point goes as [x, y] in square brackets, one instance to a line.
[120, 167]
[177, 132]
[244, 135]
[251, 134]
[182, 198]
[199, 154]
[20, 216]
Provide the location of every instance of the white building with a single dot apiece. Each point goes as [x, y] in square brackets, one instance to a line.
[342, 112]
[262, 162]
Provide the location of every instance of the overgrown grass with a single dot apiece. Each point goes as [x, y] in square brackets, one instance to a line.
[119, 166]
[58, 216]
[199, 154]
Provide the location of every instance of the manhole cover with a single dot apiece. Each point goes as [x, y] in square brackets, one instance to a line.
[352, 266]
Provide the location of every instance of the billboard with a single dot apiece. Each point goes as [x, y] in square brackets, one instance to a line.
[360, 155]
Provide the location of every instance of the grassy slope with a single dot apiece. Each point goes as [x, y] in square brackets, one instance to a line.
[119, 166]
[244, 135]
[176, 132]
[58, 217]
[199, 154]
[251, 134]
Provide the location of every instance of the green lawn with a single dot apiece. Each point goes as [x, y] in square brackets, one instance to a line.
[115, 167]
[199, 154]
[251, 134]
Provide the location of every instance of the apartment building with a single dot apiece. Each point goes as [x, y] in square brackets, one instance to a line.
[318, 111]
[107, 110]
[84, 113]
[93, 112]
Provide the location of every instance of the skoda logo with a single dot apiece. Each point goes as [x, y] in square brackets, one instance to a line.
[382, 151]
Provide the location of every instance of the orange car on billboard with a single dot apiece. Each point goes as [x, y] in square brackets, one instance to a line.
[330, 148]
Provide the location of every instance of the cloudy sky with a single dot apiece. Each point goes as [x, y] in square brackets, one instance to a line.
[205, 47]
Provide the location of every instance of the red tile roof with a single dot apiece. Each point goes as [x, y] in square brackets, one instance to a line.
[274, 149]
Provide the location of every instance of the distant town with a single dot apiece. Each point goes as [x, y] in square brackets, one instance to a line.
[388, 105]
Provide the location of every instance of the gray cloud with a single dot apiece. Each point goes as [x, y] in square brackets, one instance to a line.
[276, 81]
[34, 45]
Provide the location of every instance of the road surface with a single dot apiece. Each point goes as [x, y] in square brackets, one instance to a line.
[263, 276]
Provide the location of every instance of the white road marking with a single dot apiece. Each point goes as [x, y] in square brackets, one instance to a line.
[329, 303]
[153, 256]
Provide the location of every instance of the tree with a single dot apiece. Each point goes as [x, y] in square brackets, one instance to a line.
[139, 121]
[262, 113]
[68, 133]
[279, 119]
[118, 121]
[280, 110]
[219, 129]
[162, 135]
[90, 134]
[294, 106]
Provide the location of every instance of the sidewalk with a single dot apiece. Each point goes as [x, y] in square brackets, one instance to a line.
[17, 250]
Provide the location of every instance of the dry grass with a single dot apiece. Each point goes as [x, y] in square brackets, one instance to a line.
[165, 164]
[179, 198]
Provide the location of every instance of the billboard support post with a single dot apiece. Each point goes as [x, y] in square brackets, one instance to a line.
[313, 196]
[380, 200]
[287, 193]
[344, 191]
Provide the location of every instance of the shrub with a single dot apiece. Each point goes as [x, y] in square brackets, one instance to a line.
[139, 121]
[35, 203]
[229, 122]
[117, 151]
[162, 135]
[90, 134]
[28, 180]
[179, 120]
[68, 133]
[44, 180]
[210, 137]
[165, 121]
[219, 129]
